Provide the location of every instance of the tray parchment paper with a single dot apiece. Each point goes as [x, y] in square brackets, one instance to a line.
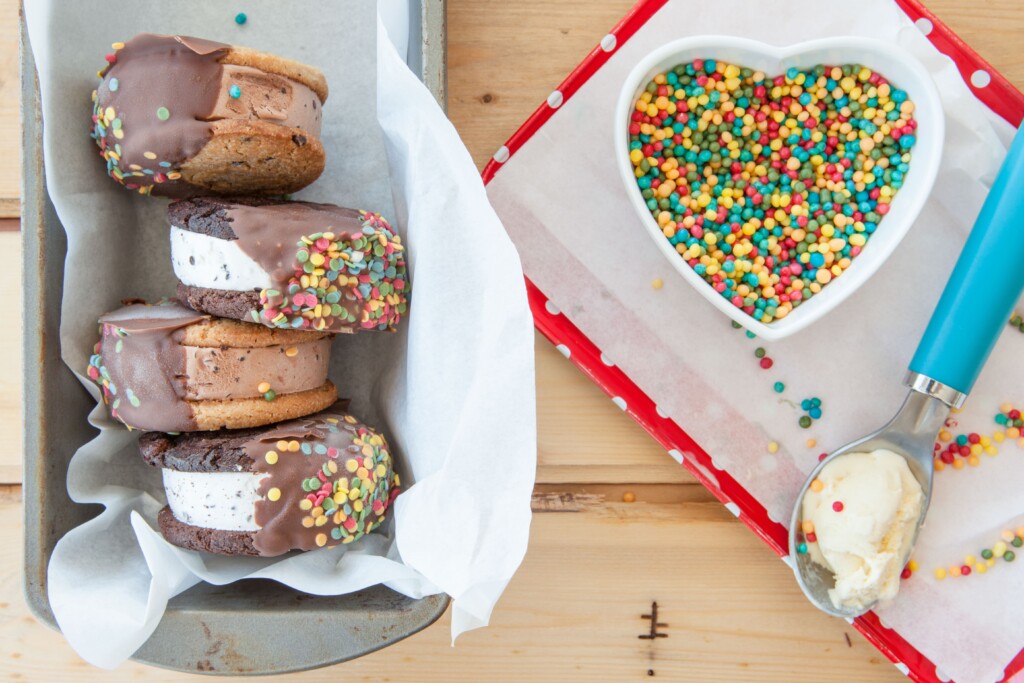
[584, 247]
[453, 390]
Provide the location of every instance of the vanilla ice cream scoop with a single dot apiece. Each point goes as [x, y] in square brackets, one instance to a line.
[875, 508]
[862, 513]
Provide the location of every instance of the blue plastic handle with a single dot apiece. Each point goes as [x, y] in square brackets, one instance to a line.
[986, 282]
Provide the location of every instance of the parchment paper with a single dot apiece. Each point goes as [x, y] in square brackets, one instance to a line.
[453, 389]
[566, 208]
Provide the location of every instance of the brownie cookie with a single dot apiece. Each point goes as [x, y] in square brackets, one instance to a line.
[167, 368]
[291, 265]
[179, 116]
[317, 481]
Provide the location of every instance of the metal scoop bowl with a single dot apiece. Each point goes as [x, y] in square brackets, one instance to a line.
[974, 308]
[911, 433]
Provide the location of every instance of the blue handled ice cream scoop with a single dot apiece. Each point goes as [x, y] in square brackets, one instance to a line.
[857, 516]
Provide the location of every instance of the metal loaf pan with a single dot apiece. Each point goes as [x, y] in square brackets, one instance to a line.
[207, 629]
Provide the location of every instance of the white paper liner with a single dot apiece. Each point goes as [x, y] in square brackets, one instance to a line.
[453, 390]
[566, 208]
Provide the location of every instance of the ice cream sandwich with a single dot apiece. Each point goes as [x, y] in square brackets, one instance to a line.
[289, 265]
[317, 481]
[180, 116]
[168, 368]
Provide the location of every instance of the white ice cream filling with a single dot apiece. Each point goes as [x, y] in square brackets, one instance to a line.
[214, 500]
[203, 261]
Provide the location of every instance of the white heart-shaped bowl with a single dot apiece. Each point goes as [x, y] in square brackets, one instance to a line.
[895, 64]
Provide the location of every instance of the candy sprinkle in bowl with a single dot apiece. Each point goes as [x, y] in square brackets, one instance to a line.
[771, 245]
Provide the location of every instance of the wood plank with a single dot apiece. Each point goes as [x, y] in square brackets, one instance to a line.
[572, 613]
[498, 77]
[583, 437]
[10, 111]
[993, 28]
[10, 356]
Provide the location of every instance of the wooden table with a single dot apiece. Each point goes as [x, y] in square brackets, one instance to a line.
[731, 611]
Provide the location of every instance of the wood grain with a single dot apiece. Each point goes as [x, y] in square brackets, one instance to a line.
[499, 76]
[584, 437]
[572, 613]
[994, 29]
[595, 564]
[10, 353]
[10, 111]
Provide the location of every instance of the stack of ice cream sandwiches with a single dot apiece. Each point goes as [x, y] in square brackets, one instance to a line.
[229, 380]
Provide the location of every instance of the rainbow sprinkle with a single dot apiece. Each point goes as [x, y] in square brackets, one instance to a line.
[98, 373]
[342, 282]
[959, 450]
[769, 188]
[348, 498]
[1005, 549]
[108, 131]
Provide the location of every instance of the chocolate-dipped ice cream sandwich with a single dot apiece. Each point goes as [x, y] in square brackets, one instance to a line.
[180, 116]
[317, 481]
[168, 368]
[290, 265]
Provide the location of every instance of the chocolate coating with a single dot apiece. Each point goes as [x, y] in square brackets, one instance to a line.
[209, 215]
[139, 364]
[168, 368]
[133, 98]
[333, 269]
[177, 116]
[329, 480]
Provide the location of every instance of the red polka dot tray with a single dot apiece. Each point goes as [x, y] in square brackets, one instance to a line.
[678, 424]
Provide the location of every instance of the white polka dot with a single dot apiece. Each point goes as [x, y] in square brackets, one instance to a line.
[942, 675]
[788, 559]
[903, 668]
[980, 78]
[924, 25]
[501, 156]
[555, 99]
[609, 42]
[733, 508]
[849, 620]
[620, 402]
[676, 455]
[661, 413]
[704, 471]
[564, 350]
[607, 361]
[883, 623]
[551, 308]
